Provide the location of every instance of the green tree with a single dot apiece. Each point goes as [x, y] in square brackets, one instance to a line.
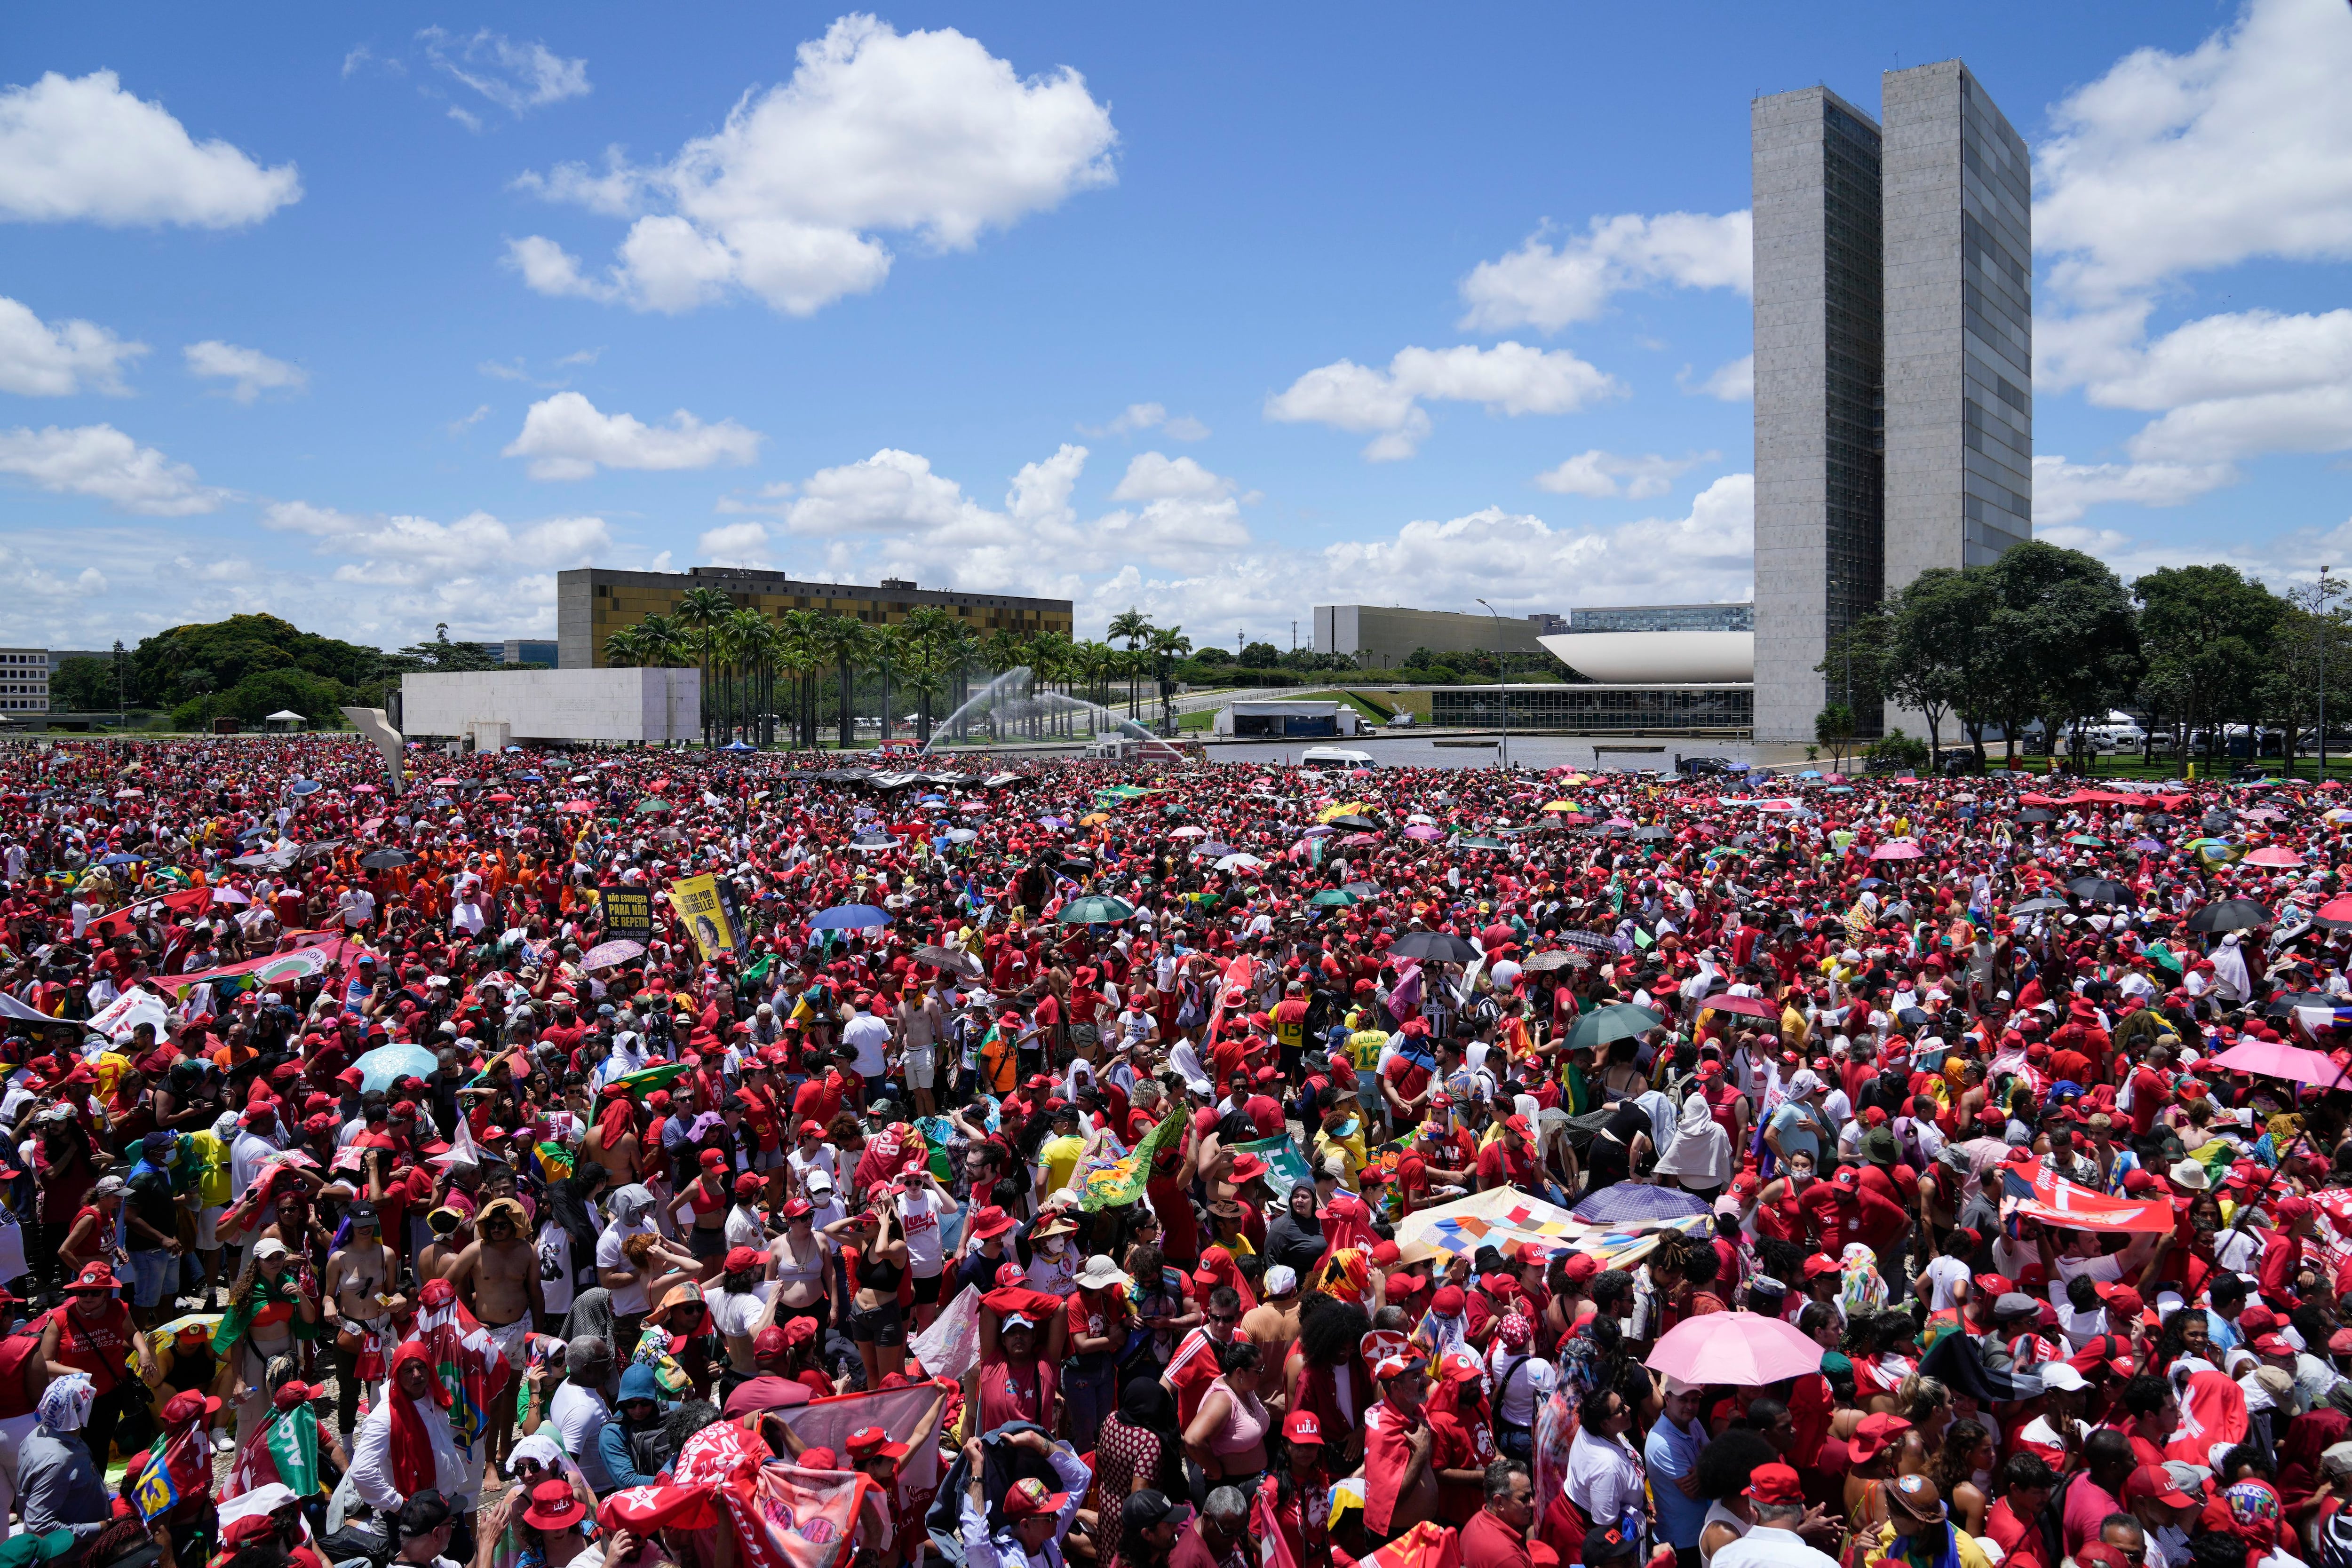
[1834, 727]
[1135, 626]
[1853, 661]
[441, 657]
[699, 612]
[1935, 628]
[2207, 633]
[1266, 657]
[82, 686]
[1168, 644]
[2061, 643]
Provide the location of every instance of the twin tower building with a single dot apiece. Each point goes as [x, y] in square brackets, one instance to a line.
[1894, 268]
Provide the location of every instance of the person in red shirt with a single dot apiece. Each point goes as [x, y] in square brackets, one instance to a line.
[1510, 1160]
[93, 1334]
[2014, 1523]
[1399, 1487]
[2151, 1091]
[1464, 1437]
[2283, 1253]
[1497, 1535]
[1194, 1366]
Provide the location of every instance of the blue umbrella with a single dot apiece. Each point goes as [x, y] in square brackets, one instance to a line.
[848, 917]
[1623, 1203]
[304, 787]
[123, 859]
[739, 745]
[388, 1064]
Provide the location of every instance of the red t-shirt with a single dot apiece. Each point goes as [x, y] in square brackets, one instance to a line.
[1011, 1392]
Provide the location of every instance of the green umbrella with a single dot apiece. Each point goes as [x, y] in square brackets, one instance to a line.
[2087, 839]
[1334, 898]
[1094, 910]
[1481, 843]
[648, 808]
[1620, 1020]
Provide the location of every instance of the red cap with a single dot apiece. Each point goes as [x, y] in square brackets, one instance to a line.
[743, 1260]
[1775, 1486]
[1028, 1499]
[2271, 1344]
[1301, 1427]
[2154, 1481]
[771, 1340]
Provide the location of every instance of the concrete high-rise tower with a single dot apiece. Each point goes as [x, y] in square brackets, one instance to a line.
[1819, 507]
[1894, 361]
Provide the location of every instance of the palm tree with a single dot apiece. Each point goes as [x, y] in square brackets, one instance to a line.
[700, 611]
[799, 654]
[1134, 626]
[664, 642]
[1097, 663]
[624, 648]
[1049, 656]
[847, 644]
[1167, 645]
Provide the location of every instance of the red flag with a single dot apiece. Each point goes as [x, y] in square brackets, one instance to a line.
[641, 1510]
[786, 1517]
[1426, 1545]
[2053, 1200]
[910, 1415]
[1273, 1551]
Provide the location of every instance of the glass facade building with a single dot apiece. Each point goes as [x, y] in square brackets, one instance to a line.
[1894, 361]
[1662, 618]
[1596, 709]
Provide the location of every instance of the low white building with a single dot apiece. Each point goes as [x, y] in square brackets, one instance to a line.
[1272, 720]
[498, 707]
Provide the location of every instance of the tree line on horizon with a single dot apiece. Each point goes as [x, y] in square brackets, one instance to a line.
[2052, 636]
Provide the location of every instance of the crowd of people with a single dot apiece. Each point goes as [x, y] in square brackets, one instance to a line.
[371, 1135]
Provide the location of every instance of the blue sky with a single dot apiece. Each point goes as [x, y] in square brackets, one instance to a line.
[1220, 312]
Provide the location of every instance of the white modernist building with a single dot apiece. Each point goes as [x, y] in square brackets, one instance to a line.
[1270, 720]
[1657, 658]
[496, 708]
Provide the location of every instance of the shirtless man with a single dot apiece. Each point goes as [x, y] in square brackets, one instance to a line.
[452, 1234]
[359, 1298]
[612, 1142]
[1274, 1321]
[498, 1279]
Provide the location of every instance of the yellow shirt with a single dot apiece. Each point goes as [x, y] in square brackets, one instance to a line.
[212, 1187]
[1060, 1157]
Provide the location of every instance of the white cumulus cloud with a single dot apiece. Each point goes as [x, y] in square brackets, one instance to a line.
[1549, 286]
[249, 371]
[878, 133]
[2064, 491]
[734, 544]
[1598, 473]
[1732, 382]
[1509, 379]
[1151, 416]
[565, 437]
[99, 461]
[59, 359]
[83, 149]
[410, 551]
[2172, 163]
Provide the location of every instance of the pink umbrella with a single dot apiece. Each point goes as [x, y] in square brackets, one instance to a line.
[1621, 822]
[2276, 1058]
[1745, 1350]
[1423, 831]
[2275, 856]
[1897, 850]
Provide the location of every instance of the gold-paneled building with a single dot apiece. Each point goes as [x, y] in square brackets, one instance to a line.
[592, 604]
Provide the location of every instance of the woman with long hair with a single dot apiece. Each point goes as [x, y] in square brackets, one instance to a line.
[1968, 1448]
[1326, 1371]
[876, 1261]
[272, 1304]
[1298, 1488]
[1135, 1454]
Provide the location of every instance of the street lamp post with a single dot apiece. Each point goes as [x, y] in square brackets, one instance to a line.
[2320, 626]
[1503, 669]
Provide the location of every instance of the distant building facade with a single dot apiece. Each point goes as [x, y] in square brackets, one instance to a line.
[1659, 618]
[24, 680]
[592, 604]
[1382, 637]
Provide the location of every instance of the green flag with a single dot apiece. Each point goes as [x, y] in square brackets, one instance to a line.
[293, 1444]
[1122, 1182]
[650, 1078]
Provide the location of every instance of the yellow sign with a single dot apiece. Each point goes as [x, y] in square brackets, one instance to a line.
[696, 901]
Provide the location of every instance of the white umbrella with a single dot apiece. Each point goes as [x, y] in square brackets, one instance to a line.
[1189, 832]
[1240, 863]
[229, 895]
[283, 715]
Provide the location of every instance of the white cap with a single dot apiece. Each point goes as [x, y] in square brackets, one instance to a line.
[2061, 1374]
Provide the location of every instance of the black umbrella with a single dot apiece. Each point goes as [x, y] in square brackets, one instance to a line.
[2036, 815]
[2038, 905]
[2230, 914]
[386, 859]
[1360, 889]
[1650, 834]
[2099, 890]
[1356, 821]
[1591, 941]
[1433, 948]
